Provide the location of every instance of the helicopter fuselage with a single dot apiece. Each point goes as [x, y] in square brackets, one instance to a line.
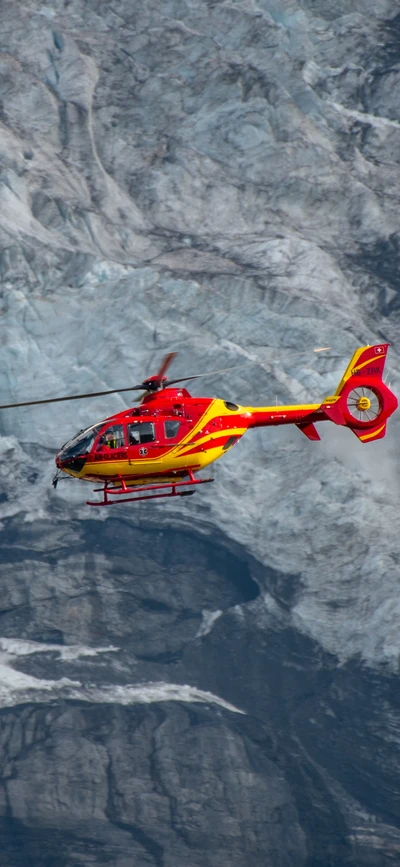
[169, 434]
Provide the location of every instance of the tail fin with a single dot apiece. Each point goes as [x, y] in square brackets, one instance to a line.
[362, 401]
[367, 362]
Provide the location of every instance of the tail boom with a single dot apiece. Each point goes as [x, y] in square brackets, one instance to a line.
[361, 402]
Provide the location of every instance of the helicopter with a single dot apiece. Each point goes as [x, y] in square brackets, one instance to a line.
[155, 449]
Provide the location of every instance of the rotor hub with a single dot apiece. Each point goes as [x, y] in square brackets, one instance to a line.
[363, 404]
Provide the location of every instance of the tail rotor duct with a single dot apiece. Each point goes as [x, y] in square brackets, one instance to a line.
[364, 404]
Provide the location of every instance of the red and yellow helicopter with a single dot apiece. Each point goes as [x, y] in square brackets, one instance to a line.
[155, 449]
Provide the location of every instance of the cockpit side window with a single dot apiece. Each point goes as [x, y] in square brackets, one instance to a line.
[141, 432]
[171, 428]
[81, 444]
[112, 438]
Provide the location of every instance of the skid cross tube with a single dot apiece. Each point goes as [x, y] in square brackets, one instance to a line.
[126, 489]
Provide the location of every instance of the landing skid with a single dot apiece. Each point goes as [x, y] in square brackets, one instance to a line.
[125, 490]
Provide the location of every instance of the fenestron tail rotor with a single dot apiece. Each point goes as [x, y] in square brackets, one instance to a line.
[363, 404]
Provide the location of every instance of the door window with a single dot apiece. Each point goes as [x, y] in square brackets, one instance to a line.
[112, 438]
[141, 432]
[171, 429]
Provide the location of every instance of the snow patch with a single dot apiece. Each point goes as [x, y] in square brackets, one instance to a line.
[16, 687]
[207, 623]
[154, 692]
[364, 117]
[20, 647]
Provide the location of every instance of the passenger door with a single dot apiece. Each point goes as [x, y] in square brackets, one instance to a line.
[144, 446]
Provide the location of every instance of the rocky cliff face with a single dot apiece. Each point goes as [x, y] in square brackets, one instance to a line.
[209, 682]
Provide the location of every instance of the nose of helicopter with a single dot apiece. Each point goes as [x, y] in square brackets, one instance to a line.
[70, 463]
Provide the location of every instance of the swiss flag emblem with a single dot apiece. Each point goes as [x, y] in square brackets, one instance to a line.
[379, 350]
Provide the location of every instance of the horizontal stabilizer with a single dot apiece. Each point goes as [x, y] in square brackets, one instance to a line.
[374, 433]
[309, 429]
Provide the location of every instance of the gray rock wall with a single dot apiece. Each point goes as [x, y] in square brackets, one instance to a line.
[212, 682]
[155, 787]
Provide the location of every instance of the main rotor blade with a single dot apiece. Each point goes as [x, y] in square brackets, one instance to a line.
[159, 376]
[210, 373]
[244, 364]
[71, 397]
[166, 363]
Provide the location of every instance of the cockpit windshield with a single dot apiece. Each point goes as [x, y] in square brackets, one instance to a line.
[81, 444]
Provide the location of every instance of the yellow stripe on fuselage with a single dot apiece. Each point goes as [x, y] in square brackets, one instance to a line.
[274, 410]
[217, 434]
